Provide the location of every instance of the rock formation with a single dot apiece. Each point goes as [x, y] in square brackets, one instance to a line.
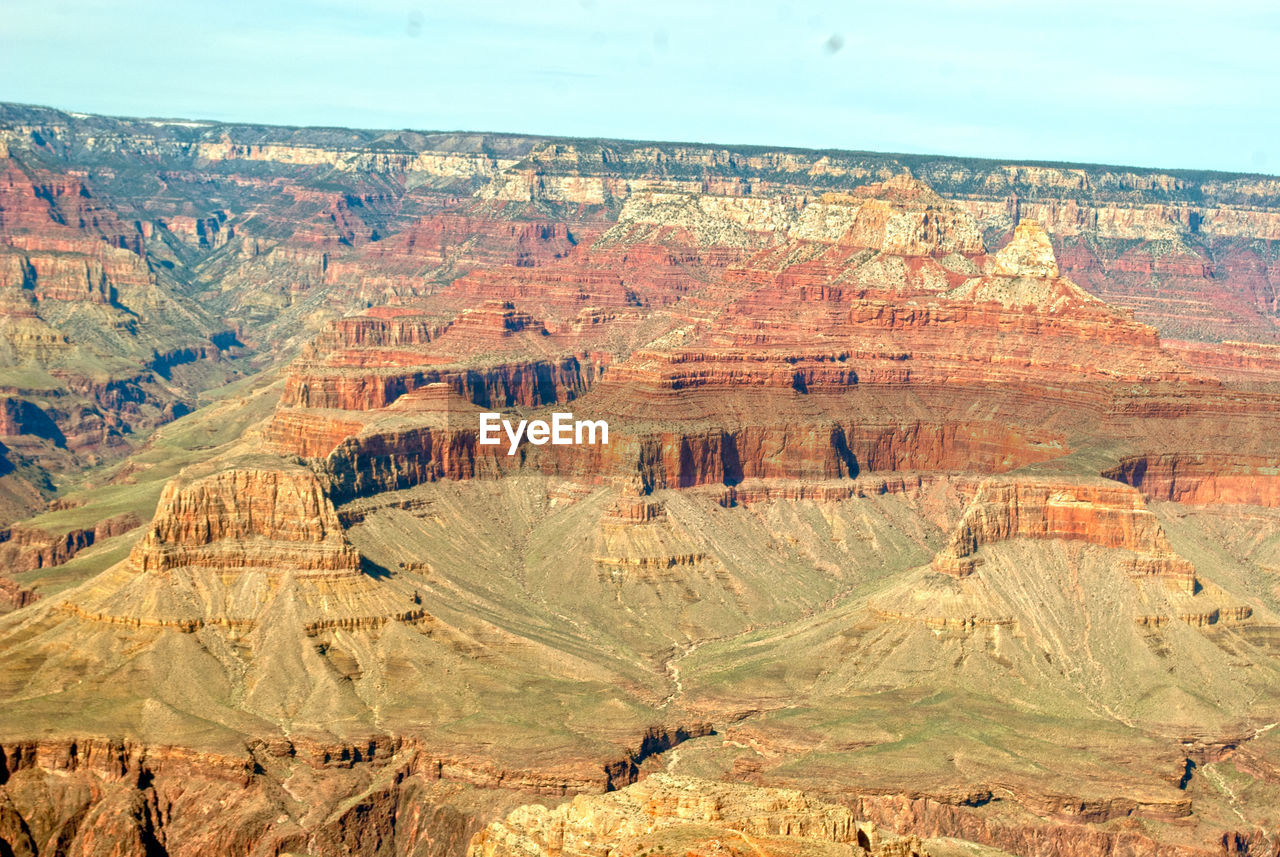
[685, 814]
[1054, 509]
[27, 549]
[229, 547]
[910, 511]
[1025, 273]
[1202, 478]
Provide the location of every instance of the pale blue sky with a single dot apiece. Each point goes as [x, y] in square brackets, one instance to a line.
[1166, 84]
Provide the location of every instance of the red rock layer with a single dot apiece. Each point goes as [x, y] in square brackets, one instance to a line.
[61, 243]
[1202, 478]
[377, 327]
[488, 241]
[24, 548]
[385, 459]
[528, 383]
[729, 456]
[558, 293]
[1220, 288]
[39, 201]
[1106, 515]
[1243, 362]
[309, 433]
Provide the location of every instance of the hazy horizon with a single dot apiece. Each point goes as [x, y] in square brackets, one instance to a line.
[1141, 84]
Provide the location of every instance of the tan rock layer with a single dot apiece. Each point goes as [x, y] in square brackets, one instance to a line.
[711, 815]
[246, 517]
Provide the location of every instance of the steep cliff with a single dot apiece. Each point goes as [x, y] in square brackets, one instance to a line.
[227, 548]
[1054, 509]
[1202, 478]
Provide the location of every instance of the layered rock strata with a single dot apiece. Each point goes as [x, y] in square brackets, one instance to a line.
[811, 366]
[692, 816]
[226, 546]
[1106, 515]
[1202, 478]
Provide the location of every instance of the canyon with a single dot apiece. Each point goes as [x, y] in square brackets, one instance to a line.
[938, 510]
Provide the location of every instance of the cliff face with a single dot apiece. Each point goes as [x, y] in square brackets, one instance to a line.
[1109, 516]
[25, 548]
[375, 459]
[245, 518]
[1202, 478]
[132, 300]
[530, 383]
[696, 816]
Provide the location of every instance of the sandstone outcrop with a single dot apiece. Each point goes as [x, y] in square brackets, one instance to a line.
[228, 547]
[245, 518]
[1025, 273]
[688, 815]
[26, 549]
[1202, 478]
[1105, 515]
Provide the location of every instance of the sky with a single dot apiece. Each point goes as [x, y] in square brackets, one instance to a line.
[1157, 84]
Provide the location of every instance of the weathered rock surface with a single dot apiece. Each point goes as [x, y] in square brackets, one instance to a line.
[27, 549]
[1025, 273]
[1096, 512]
[244, 517]
[1202, 478]
[238, 544]
[685, 814]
